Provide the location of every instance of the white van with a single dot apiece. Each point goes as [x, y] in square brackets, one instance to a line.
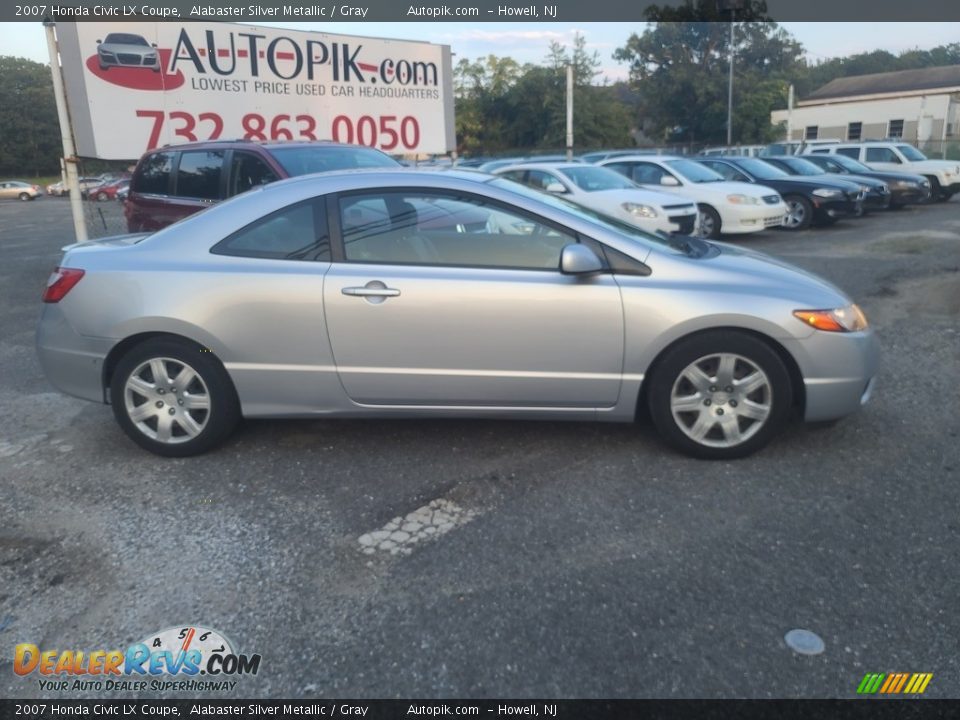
[944, 175]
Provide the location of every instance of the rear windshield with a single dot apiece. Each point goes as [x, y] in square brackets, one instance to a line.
[305, 159]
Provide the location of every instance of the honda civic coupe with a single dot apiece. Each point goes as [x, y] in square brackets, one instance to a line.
[404, 293]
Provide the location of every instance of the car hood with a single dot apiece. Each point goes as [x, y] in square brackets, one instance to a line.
[722, 189]
[890, 177]
[950, 166]
[638, 195]
[756, 268]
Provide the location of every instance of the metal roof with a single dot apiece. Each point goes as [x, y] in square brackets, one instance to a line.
[944, 77]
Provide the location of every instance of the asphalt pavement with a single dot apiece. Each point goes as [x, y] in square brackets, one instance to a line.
[565, 559]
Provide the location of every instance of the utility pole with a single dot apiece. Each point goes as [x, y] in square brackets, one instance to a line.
[569, 113]
[733, 19]
[66, 134]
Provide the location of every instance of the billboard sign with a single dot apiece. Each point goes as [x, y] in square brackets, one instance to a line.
[135, 86]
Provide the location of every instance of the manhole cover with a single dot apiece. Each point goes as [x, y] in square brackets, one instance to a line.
[804, 642]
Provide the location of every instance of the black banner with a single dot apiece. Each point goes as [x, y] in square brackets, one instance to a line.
[472, 11]
[873, 709]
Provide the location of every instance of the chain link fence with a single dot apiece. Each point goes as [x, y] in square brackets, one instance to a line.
[102, 186]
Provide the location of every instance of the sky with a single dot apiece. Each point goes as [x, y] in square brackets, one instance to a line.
[528, 42]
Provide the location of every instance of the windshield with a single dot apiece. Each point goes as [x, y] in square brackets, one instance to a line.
[125, 39]
[576, 210]
[762, 170]
[849, 163]
[694, 172]
[911, 153]
[593, 179]
[304, 159]
[799, 166]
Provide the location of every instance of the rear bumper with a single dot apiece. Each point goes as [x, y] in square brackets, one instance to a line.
[72, 363]
[839, 371]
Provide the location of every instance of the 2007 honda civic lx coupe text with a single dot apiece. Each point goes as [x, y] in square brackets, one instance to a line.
[405, 293]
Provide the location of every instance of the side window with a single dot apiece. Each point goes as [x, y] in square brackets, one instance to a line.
[645, 173]
[850, 152]
[298, 232]
[725, 170]
[153, 175]
[881, 154]
[198, 175]
[248, 171]
[429, 228]
[515, 175]
[541, 180]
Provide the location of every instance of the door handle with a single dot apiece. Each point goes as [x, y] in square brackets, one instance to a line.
[370, 292]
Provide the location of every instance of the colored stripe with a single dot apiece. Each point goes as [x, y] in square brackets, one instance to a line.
[877, 679]
[867, 679]
[923, 686]
[903, 679]
[886, 686]
[914, 682]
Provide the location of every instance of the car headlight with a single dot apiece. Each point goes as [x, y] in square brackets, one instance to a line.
[845, 319]
[738, 199]
[639, 210]
[906, 183]
[828, 193]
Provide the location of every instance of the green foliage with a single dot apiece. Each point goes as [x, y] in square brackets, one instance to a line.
[29, 131]
[502, 106]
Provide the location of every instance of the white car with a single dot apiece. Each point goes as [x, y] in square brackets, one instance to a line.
[944, 175]
[728, 208]
[605, 191]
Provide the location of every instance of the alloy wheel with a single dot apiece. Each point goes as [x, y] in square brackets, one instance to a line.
[167, 400]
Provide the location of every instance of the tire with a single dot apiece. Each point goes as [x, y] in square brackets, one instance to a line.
[189, 431]
[710, 225]
[102, 196]
[24, 196]
[696, 414]
[799, 213]
[936, 191]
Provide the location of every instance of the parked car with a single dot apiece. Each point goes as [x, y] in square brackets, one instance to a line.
[20, 190]
[493, 165]
[59, 189]
[107, 190]
[56, 189]
[736, 150]
[608, 192]
[598, 155]
[286, 302]
[792, 147]
[172, 182]
[724, 207]
[127, 50]
[905, 188]
[943, 175]
[875, 194]
[819, 201]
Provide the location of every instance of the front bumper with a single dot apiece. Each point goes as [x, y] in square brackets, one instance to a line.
[739, 219]
[833, 209]
[838, 372]
[72, 363]
[909, 195]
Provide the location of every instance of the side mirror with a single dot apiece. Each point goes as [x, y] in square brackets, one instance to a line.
[153, 44]
[577, 259]
[99, 42]
[670, 181]
[555, 187]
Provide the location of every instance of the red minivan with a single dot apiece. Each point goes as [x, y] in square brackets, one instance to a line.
[172, 182]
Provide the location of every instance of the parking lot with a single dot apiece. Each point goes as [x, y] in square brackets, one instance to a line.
[566, 560]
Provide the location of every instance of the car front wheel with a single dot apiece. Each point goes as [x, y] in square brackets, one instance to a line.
[173, 398]
[720, 395]
[24, 196]
[710, 224]
[799, 213]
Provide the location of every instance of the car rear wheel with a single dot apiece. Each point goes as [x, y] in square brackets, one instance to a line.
[173, 398]
[102, 196]
[709, 222]
[799, 213]
[720, 395]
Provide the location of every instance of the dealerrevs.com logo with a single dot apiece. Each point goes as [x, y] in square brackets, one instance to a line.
[190, 658]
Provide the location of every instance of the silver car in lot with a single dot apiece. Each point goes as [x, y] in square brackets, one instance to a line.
[406, 293]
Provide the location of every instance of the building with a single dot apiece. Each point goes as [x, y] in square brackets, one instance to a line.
[920, 106]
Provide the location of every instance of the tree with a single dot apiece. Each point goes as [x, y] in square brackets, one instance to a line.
[679, 66]
[30, 141]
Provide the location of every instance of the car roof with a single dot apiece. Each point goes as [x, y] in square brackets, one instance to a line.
[546, 165]
[241, 142]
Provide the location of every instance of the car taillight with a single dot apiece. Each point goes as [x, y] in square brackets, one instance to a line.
[60, 282]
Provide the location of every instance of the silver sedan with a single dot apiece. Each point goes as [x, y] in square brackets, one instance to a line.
[404, 293]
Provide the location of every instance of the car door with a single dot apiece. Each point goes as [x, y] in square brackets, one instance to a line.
[5, 190]
[444, 299]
